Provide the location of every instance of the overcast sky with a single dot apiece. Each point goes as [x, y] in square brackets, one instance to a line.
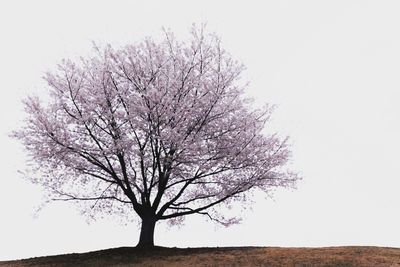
[332, 67]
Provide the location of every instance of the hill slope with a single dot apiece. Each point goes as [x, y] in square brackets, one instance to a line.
[227, 256]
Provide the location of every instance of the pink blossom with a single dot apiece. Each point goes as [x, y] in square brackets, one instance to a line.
[158, 128]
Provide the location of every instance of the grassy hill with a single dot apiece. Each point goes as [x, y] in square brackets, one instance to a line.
[226, 256]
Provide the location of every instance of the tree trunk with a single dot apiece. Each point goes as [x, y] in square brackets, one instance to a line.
[146, 239]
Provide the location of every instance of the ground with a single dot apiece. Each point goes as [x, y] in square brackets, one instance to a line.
[225, 256]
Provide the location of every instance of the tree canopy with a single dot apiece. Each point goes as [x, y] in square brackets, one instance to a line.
[158, 128]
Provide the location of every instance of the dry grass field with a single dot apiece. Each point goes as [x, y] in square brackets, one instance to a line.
[235, 256]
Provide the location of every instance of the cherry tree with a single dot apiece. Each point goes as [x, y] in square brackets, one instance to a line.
[160, 129]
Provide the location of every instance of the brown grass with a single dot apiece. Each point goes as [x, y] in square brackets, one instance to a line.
[240, 256]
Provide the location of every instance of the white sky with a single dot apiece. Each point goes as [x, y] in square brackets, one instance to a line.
[332, 67]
